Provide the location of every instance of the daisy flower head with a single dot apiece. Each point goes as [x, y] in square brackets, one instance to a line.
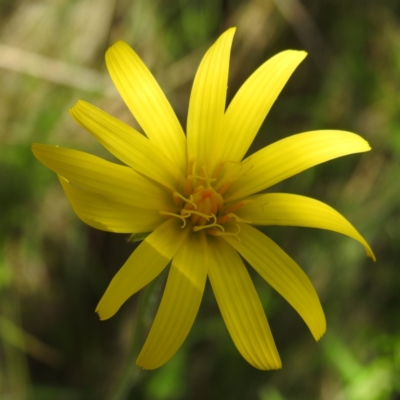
[200, 199]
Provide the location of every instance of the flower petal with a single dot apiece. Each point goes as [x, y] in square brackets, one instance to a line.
[145, 263]
[295, 210]
[179, 305]
[292, 155]
[103, 177]
[128, 145]
[147, 102]
[251, 104]
[109, 215]
[283, 274]
[240, 307]
[207, 101]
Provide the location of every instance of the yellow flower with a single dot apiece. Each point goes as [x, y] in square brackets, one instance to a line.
[196, 195]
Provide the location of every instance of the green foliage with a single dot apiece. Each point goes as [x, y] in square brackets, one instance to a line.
[54, 269]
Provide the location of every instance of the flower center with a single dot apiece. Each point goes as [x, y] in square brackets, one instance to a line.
[204, 203]
[201, 201]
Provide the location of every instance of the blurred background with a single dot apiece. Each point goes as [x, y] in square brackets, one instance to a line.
[54, 268]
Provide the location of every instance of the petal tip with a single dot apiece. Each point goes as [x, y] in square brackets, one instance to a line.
[72, 110]
[76, 109]
[278, 365]
[298, 55]
[269, 364]
[146, 364]
[105, 310]
[319, 331]
[141, 365]
[102, 315]
[118, 45]
[371, 254]
[38, 148]
[321, 334]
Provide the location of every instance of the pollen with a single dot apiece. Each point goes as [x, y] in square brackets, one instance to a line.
[201, 200]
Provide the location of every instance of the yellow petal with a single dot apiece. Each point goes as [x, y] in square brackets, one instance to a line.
[179, 304]
[103, 177]
[127, 144]
[294, 210]
[283, 274]
[292, 155]
[207, 100]
[147, 102]
[240, 307]
[252, 103]
[145, 263]
[107, 214]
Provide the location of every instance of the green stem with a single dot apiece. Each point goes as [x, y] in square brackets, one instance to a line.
[132, 372]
